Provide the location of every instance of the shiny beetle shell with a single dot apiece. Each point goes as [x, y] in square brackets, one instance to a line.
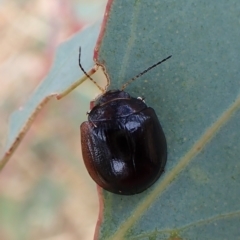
[123, 144]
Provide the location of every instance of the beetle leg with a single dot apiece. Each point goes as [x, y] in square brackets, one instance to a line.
[94, 124]
[141, 98]
[89, 119]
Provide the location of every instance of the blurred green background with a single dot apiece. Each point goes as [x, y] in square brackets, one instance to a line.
[45, 191]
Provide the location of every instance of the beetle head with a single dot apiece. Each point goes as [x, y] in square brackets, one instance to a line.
[111, 95]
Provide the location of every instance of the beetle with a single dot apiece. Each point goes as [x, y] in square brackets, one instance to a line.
[123, 144]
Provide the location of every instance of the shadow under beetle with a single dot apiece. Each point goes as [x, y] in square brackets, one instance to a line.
[123, 145]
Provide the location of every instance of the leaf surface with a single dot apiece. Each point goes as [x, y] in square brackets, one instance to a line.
[196, 96]
[64, 75]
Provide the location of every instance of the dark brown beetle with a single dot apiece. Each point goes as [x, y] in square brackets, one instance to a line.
[123, 144]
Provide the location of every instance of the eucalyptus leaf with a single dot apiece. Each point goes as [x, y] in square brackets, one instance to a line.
[196, 95]
[64, 75]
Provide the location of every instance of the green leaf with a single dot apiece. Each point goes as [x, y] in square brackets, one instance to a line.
[196, 97]
[64, 75]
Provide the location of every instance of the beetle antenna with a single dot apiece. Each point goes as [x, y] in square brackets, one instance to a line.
[140, 74]
[80, 65]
